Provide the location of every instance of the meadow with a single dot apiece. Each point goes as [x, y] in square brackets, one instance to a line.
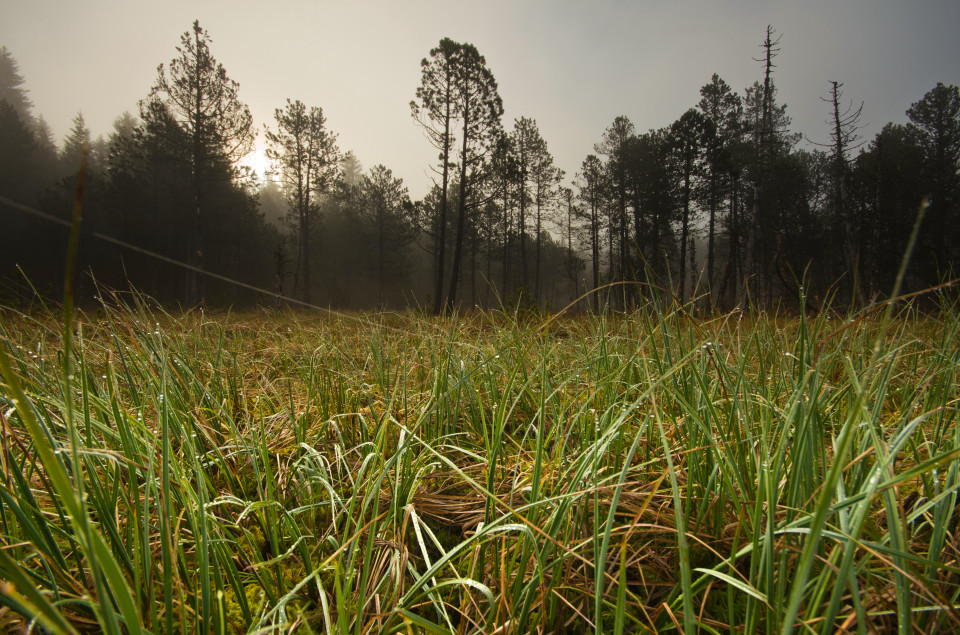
[279, 471]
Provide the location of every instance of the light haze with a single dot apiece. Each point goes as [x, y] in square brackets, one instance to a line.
[571, 66]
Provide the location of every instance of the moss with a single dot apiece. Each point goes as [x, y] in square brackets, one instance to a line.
[252, 543]
[234, 612]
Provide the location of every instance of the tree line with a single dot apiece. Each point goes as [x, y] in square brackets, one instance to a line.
[721, 208]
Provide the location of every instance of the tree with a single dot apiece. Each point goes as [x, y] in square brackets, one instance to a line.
[768, 125]
[205, 104]
[888, 185]
[73, 146]
[935, 125]
[46, 151]
[534, 178]
[505, 170]
[351, 170]
[11, 87]
[479, 108]
[652, 187]
[685, 140]
[146, 202]
[591, 183]
[574, 264]
[436, 112]
[843, 139]
[17, 149]
[386, 213]
[546, 183]
[307, 157]
[723, 110]
[614, 145]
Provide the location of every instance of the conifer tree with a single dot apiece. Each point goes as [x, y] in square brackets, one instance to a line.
[204, 102]
[479, 108]
[11, 87]
[723, 110]
[436, 111]
[935, 125]
[307, 158]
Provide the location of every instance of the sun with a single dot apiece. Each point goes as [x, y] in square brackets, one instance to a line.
[258, 162]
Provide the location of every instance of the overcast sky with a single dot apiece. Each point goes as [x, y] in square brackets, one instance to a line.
[571, 66]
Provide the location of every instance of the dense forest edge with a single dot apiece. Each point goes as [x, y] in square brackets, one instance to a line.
[723, 208]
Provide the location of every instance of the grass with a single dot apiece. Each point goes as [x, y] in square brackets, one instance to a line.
[266, 472]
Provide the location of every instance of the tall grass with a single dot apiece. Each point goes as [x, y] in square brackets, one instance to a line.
[258, 472]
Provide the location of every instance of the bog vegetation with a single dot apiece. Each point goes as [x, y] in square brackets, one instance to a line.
[646, 472]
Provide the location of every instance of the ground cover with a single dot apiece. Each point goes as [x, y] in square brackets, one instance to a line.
[649, 472]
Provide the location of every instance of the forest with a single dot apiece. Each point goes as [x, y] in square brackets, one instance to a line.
[726, 206]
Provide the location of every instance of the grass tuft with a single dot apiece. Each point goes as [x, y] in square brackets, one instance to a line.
[258, 472]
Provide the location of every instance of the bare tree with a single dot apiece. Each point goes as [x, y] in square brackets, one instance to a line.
[844, 137]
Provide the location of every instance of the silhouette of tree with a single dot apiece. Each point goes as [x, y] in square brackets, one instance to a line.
[591, 183]
[205, 104]
[935, 124]
[17, 148]
[479, 108]
[723, 110]
[11, 87]
[307, 158]
[614, 146]
[685, 141]
[888, 185]
[436, 113]
[844, 138]
[387, 217]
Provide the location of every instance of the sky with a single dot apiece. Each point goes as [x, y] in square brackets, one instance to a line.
[571, 66]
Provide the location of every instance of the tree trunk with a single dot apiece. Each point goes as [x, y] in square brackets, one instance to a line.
[438, 287]
[536, 279]
[595, 248]
[461, 205]
[684, 231]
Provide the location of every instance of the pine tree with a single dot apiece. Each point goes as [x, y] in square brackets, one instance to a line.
[18, 147]
[591, 183]
[479, 108]
[386, 214]
[723, 110]
[11, 87]
[307, 158]
[73, 146]
[614, 146]
[205, 104]
[843, 140]
[436, 112]
[935, 125]
[685, 140]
